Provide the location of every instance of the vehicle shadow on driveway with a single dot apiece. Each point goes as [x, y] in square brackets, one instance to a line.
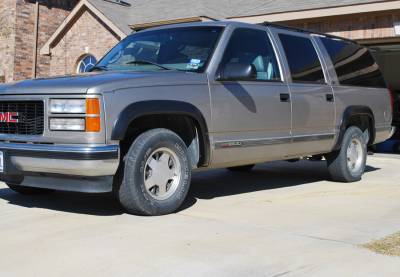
[269, 176]
[81, 203]
[205, 185]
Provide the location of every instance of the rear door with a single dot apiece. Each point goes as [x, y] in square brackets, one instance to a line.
[312, 96]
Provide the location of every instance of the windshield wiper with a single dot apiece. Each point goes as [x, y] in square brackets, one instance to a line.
[151, 63]
[98, 68]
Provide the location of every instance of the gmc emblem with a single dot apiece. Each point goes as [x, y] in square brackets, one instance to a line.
[9, 117]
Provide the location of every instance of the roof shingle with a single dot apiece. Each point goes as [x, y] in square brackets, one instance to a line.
[145, 11]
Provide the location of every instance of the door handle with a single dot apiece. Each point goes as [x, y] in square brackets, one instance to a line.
[330, 98]
[285, 97]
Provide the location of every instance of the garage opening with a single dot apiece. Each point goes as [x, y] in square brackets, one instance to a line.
[388, 58]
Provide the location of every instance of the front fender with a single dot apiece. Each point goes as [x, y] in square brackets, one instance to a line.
[162, 107]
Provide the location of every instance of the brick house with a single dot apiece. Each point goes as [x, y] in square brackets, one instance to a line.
[69, 36]
[24, 27]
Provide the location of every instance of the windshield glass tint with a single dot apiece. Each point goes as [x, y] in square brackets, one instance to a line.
[187, 49]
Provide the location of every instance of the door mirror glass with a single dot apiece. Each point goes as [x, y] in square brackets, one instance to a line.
[238, 72]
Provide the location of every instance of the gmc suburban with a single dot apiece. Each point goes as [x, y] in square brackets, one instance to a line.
[173, 99]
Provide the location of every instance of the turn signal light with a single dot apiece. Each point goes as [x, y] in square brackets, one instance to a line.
[93, 122]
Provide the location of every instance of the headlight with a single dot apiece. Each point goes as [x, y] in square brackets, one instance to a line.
[69, 106]
[67, 124]
[87, 115]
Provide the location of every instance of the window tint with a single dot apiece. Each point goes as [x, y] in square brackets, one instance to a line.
[186, 49]
[303, 60]
[251, 46]
[354, 64]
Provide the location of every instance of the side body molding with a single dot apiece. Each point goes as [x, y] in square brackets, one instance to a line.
[348, 113]
[164, 107]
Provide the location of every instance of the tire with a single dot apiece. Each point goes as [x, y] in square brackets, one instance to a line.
[28, 190]
[244, 168]
[158, 156]
[348, 164]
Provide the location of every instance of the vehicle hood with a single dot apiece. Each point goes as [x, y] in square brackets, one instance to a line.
[98, 82]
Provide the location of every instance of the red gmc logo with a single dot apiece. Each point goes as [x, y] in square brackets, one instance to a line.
[9, 117]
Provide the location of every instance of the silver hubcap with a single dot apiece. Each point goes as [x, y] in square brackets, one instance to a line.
[162, 173]
[354, 155]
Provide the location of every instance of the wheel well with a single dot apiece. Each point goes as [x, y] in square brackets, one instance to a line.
[186, 127]
[364, 122]
[361, 117]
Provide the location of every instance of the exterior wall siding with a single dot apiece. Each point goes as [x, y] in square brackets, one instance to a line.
[88, 35]
[7, 40]
[51, 16]
[361, 27]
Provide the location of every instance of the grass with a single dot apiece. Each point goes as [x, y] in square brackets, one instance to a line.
[389, 245]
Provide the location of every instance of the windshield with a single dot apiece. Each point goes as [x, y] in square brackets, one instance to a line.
[186, 49]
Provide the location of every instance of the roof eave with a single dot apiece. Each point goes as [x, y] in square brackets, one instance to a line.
[136, 27]
[75, 13]
[319, 13]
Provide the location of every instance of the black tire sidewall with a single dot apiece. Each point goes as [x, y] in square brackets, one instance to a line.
[133, 181]
[353, 133]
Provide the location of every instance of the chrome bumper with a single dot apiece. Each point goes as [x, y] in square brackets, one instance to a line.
[76, 160]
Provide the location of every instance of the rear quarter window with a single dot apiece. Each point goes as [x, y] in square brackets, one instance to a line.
[354, 64]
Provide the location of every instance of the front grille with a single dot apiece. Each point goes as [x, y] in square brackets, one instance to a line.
[30, 117]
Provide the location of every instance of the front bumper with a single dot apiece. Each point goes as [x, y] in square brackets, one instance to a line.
[64, 167]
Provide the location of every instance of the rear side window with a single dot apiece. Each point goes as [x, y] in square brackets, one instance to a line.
[354, 64]
[252, 46]
[304, 64]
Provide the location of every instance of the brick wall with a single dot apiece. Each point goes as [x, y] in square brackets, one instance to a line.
[7, 35]
[88, 35]
[51, 16]
[360, 27]
[50, 19]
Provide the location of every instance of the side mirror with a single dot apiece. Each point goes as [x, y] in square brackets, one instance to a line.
[238, 72]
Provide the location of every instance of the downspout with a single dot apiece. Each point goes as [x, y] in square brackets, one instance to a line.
[35, 40]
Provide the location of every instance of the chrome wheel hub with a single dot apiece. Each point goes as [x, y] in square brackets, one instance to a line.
[354, 155]
[162, 174]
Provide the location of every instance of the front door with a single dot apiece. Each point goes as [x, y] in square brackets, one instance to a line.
[251, 119]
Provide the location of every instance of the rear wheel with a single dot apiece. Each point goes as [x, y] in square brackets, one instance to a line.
[243, 168]
[28, 190]
[156, 175]
[348, 164]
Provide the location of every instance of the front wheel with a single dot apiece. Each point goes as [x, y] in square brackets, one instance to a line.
[348, 164]
[156, 175]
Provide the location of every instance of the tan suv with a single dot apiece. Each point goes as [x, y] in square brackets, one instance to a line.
[173, 99]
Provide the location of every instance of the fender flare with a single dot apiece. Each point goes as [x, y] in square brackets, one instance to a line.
[163, 107]
[350, 112]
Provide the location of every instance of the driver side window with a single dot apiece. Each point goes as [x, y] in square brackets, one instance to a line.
[250, 46]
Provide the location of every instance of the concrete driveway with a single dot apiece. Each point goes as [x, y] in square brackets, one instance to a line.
[280, 220]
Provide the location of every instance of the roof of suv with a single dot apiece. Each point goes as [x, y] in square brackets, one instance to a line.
[226, 23]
